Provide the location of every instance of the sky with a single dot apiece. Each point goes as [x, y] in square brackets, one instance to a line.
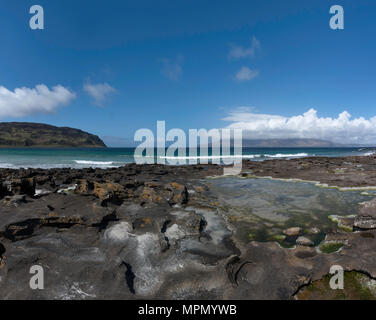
[273, 68]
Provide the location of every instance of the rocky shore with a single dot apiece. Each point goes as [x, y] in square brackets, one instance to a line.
[163, 232]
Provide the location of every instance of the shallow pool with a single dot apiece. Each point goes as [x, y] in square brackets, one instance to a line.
[261, 209]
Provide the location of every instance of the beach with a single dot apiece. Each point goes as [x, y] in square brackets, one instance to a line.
[187, 232]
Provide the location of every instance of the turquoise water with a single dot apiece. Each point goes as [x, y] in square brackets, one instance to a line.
[115, 157]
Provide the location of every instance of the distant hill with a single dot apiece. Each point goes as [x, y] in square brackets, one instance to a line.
[289, 143]
[37, 135]
[249, 143]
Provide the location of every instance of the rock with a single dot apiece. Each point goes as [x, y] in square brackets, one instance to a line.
[293, 232]
[109, 192]
[148, 250]
[366, 218]
[152, 184]
[84, 186]
[186, 225]
[118, 233]
[179, 193]
[150, 195]
[14, 200]
[172, 193]
[3, 190]
[20, 186]
[267, 271]
[303, 241]
[174, 233]
[145, 224]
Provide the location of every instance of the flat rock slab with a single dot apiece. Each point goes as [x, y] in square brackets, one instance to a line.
[267, 271]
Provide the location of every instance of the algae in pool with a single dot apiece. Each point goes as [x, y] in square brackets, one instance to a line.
[330, 247]
[261, 209]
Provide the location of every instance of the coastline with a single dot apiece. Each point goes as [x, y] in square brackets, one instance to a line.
[147, 231]
[117, 157]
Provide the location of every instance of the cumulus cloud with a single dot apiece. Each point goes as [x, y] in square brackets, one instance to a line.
[237, 52]
[246, 74]
[98, 92]
[26, 101]
[172, 69]
[342, 129]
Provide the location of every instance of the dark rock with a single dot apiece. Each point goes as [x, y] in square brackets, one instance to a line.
[127, 233]
[84, 186]
[3, 190]
[18, 186]
[293, 232]
[14, 200]
[303, 241]
[366, 218]
[179, 193]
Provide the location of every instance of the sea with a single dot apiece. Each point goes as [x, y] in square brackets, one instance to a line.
[117, 157]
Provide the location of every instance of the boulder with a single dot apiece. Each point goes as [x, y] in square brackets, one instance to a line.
[303, 241]
[178, 193]
[293, 232]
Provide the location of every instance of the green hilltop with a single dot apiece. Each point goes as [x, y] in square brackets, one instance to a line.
[38, 135]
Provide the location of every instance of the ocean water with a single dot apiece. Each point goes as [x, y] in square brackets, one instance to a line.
[116, 157]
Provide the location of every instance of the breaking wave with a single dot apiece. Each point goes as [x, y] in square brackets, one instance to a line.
[95, 163]
[244, 156]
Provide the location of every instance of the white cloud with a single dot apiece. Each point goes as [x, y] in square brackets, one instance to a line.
[25, 101]
[172, 69]
[237, 52]
[342, 129]
[98, 91]
[246, 74]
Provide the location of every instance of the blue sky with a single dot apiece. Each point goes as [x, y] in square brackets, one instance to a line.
[123, 65]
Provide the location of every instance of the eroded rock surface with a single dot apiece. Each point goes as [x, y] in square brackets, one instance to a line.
[160, 232]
